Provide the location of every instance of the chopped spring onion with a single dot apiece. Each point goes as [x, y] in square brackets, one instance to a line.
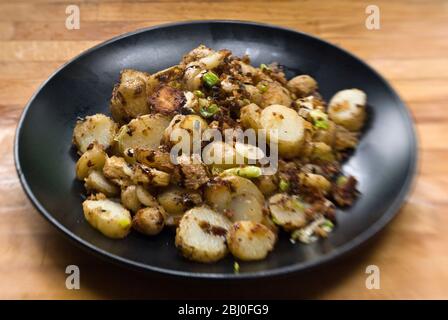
[198, 93]
[245, 172]
[327, 225]
[210, 79]
[262, 87]
[320, 119]
[283, 185]
[341, 180]
[209, 111]
[264, 67]
[236, 267]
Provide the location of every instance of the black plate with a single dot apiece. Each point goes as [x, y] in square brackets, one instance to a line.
[384, 162]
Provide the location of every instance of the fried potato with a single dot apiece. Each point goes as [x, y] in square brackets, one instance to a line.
[149, 221]
[250, 116]
[289, 127]
[118, 170]
[129, 198]
[274, 93]
[130, 95]
[96, 182]
[287, 211]
[144, 132]
[93, 159]
[302, 85]
[347, 108]
[98, 127]
[107, 216]
[201, 235]
[249, 241]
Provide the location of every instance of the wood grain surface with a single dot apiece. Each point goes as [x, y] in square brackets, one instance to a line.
[410, 50]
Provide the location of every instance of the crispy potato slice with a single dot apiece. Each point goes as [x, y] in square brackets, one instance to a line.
[145, 197]
[275, 94]
[93, 159]
[99, 128]
[149, 221]
[118, 170]
[146, 176]
[144, 132]
[250, 116]
[107, 216]
[201, 235]
[249, 241]
[347, 108]
[287, 211]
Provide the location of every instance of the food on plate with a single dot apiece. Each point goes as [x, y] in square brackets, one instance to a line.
[157, 163]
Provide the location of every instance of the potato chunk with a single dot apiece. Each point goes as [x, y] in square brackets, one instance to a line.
[274, 93]
[129, 198]
[96, 182]
[99, 128]
[149, 221]
[201, 235]
[302, 85]
[130, 95]
[144, 132]
[287, 211]
[107, 216]
[289, 127]
[93, 159]
[347, 108]
[248, 240]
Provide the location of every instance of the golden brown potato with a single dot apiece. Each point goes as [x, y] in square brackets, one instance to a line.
[302, 85]
[93, 159]
[347, 108]
[316, 181]
[118, 170]
[250, 116]
[287, 211]
[146, 176]
[201, 235]
[130, 95]
[274, 93]
[96, 182]
[154, 158]
[107, 216]
[182, 128]
[167, 100]
[129, 198]
[289, 127]
[142, 132]
[98, 127]
[149, 221]
[249, 241]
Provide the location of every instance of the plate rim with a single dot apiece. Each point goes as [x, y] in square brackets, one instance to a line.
[339, 252]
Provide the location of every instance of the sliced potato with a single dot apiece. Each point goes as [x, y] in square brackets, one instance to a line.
[129, 198]
[93, 159]
[176, 201]
[118, 170]
[248, 240]
[288, 126]
[250, 116]
[274, 93]
[182, 128]
[316, 181]
[149, 221]
[107, 216]
[96, 182]
[238, 197]
[220, 155]
[267, 184]
[99, 128]
[201, 235]
[145, 197]
[287, 211]
[146, 176]
[302, 85]
[154, 158]
[347, 108]
[130, 95]
[144, 132]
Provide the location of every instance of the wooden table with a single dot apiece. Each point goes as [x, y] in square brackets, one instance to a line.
[410, 50]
